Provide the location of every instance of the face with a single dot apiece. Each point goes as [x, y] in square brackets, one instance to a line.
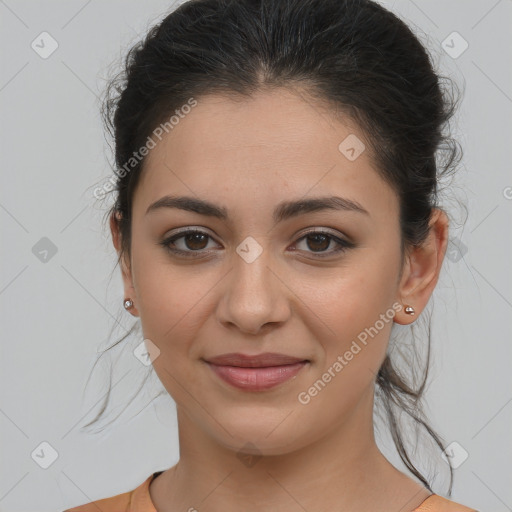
[319, 284]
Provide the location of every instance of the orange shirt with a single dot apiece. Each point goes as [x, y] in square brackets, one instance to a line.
[139, 500]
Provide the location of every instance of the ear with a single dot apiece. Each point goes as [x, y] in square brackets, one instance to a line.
[422, 267]
[129, 290]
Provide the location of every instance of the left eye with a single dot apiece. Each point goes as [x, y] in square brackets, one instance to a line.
[195, 241]
[321, 240]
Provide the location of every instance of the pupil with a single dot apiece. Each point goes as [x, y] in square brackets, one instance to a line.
[323, 238]
[194, 238]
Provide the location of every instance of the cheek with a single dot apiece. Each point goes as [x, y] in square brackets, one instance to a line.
[356, 306]
[174, 302]
[169, 300]
[352, 297]
[346, 371]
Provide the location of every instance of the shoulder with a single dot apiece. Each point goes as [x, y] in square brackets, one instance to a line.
[137, 500]
[118, 503]
[436, 503]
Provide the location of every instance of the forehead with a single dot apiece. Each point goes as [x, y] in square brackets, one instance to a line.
[275, 144]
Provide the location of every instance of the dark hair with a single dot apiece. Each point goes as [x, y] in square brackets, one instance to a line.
[353, 56]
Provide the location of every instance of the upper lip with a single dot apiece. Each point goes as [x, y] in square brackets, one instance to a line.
[260, 360]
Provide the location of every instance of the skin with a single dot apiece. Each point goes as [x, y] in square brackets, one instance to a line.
[248, 156]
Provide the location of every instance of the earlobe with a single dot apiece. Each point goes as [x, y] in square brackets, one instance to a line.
[130, 306]
[406, 315]
[410, 310]
[422, 268]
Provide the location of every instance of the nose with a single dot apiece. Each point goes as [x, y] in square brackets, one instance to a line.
[254, 296]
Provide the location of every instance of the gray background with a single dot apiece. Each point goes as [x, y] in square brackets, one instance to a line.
[56, 314]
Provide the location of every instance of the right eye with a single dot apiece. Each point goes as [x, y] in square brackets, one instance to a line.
[191, 240]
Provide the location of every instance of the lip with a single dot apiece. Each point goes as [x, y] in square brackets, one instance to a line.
[256, 373]
[265, 359]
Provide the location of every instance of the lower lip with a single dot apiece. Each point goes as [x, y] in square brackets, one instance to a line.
[257, 379]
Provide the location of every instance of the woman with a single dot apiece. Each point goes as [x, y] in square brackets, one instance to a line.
[276, 213]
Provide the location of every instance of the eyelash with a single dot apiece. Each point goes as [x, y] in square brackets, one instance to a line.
[343, 245]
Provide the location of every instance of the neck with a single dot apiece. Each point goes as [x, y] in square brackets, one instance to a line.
[344, 469]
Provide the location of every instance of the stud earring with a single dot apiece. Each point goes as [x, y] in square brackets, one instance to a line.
[409, 310]
[128, 303]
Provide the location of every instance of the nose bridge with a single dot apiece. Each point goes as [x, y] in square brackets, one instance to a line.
[253, 295]
[252, 275]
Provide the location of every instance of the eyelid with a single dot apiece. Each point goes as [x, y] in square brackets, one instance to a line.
[186, 229]
[324, 231]
[301, 234]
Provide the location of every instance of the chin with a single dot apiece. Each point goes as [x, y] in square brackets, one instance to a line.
[256, 434]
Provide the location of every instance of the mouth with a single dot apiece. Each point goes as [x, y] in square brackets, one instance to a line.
[256, 373]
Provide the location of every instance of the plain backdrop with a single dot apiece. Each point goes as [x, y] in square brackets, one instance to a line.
[60, 302]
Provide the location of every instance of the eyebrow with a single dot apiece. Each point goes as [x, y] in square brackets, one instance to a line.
[283, 211]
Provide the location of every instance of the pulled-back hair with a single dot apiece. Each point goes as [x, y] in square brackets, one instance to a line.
[353, 56]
